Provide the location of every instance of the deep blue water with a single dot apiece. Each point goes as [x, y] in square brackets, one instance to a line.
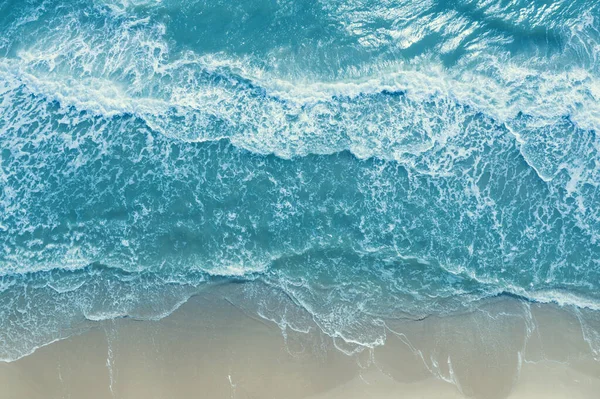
[368, 159]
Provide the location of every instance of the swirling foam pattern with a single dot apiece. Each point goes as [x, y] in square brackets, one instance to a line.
[368, 159]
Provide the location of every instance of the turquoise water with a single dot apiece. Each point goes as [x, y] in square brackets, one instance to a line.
[366, 159]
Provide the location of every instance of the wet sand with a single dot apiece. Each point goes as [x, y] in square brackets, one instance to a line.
[215, 347]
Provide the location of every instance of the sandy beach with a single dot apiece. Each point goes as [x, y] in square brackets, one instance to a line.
[213, 347]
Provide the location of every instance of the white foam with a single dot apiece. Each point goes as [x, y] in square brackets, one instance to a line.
[235, 270]
[561, 298]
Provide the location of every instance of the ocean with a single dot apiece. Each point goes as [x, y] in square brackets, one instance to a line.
[356, 161]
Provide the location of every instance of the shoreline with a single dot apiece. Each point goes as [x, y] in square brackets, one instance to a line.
[215, 346]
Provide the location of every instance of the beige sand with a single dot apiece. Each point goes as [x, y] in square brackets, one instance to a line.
[211, 348]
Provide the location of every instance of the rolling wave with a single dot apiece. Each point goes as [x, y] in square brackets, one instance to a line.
[399, 159]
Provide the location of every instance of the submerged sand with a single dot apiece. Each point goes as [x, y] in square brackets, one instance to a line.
[214, 347]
